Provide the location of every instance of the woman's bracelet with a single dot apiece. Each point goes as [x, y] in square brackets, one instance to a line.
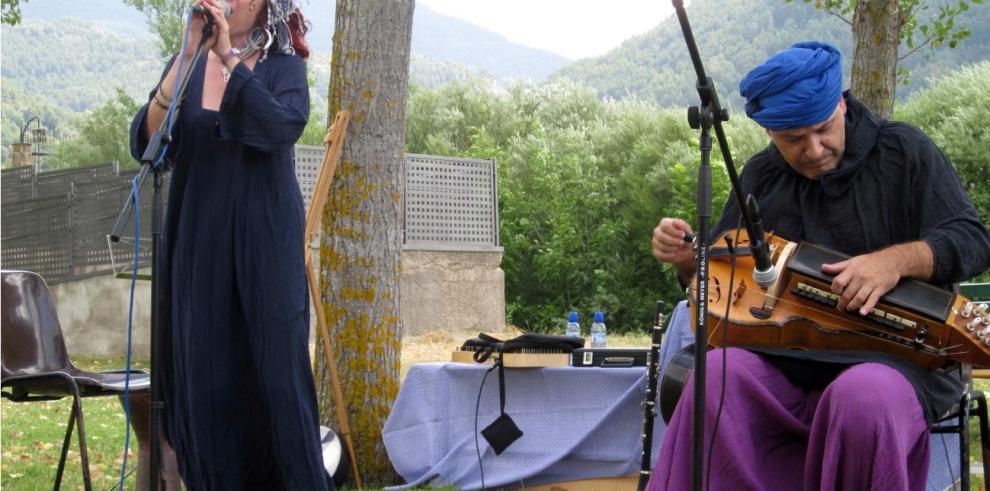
[231, 53]
[159, 103]
[162, 93]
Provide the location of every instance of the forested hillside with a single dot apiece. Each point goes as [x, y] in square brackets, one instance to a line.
[735, 35]
[67, 58]
[59, 70]
[436, 38]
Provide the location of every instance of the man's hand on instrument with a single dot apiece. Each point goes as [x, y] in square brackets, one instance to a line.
[860, 281]
[671, 244]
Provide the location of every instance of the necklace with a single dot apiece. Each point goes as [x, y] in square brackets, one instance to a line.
[241, 56]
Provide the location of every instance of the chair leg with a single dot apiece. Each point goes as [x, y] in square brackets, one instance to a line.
[77, 414]
[83, 451]
[981, 413]
[65, 448]
[964, 441]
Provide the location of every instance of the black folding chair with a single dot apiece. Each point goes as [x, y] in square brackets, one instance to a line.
[972, 403]
[36, 365]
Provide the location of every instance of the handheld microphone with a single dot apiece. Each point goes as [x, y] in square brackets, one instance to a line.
[223, 3]
[764, 273]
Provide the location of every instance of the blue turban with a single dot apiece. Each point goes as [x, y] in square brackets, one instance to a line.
[797, 87]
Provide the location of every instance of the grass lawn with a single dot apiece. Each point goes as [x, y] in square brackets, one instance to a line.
[31, 433]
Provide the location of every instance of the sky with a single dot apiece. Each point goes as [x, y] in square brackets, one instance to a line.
[572, 28]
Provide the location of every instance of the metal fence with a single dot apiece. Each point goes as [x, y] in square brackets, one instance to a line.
[56, 223]
[450, 204]
[308, 160]
[20, 183]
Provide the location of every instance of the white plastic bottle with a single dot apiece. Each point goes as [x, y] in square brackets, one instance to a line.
[573, 329]
[598, 336]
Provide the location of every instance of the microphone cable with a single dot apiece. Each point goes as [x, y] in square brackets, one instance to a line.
[130, 332]
[734, 247]
[477, 405]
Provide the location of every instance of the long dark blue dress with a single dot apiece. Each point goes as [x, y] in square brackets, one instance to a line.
[234, 366]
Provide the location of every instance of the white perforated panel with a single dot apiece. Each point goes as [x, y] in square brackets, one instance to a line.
[450, 203]
[308, 160]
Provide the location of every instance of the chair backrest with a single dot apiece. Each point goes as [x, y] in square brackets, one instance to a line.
[32, 337]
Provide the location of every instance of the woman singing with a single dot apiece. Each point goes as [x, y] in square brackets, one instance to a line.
[240, 406]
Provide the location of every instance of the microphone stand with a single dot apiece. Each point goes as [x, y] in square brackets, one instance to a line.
[160, 137]
[708, 115]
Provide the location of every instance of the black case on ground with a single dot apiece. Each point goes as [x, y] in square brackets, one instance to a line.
[609, 357]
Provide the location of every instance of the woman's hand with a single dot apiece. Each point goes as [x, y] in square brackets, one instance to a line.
[219, 41]
[221, 29]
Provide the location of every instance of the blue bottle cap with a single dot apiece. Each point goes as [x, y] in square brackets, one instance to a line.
[599, 316]
[572, 317]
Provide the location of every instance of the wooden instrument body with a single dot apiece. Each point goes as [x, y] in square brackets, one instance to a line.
[798, 312]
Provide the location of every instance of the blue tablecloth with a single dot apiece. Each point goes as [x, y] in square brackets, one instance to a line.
[577, 423]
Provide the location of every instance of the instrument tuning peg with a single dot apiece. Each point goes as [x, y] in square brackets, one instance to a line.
[967, 310]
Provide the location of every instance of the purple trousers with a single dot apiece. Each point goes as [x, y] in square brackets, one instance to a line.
[866, 430]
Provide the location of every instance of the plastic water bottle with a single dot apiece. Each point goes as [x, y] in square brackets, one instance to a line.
[573, 329]
[598, 331]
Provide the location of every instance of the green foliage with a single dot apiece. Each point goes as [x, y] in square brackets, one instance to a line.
[104, 135]
[582, 183]
[954, 112]
[920, 26]
[11, 12]
[165, 20]
[430, 72]
[936, 29]
[316, 127]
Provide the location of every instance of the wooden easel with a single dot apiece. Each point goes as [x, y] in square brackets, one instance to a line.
[335, 146]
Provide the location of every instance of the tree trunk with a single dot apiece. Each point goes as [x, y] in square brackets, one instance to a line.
[362, 232]
[876, 28]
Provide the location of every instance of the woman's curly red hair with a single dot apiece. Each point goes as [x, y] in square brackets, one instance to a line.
[297, 30]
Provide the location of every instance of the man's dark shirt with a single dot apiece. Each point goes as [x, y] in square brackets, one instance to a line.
[893, 185]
